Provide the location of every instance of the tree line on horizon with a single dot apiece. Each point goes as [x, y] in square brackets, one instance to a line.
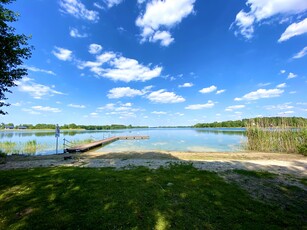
[259, 121]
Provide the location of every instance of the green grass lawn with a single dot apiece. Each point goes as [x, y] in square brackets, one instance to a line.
[179, 197]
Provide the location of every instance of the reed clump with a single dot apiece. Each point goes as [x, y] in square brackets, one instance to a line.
[8, 147]
[29, 147]
[81, 142]
[280, 136]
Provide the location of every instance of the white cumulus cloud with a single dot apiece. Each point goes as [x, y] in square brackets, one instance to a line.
[124, 92]
[233, 107]
[208, 89]
[282, 85]
[111, 3]
[261, 93]
[46, 109]
[294, 29]
[208, 105]
[291, 75]
[162, 96]
[260, 10]
[77, 9]
[62, 54]
[186, 85]
[94, 48]
[160, 16]
[220, 91]
[119, 68]
[37, 91]
[76, 34]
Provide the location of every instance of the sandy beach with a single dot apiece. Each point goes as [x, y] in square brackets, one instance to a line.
[212, 161]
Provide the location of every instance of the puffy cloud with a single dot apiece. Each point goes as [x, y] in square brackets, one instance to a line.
[124, 110]
[282, 71]
[34, 69]
[186, 85]
[208, 90]
[294, 29]
[76, 34]
[164, 36]
[31, 111]
[94, 48]
[283, 85]
[284, 106]
[111, 3]
[76, 106]
[126, 69]
[159, 112]
[300, 54]
[37, 91]
[261, 10]
[233, 107]
[220, 91]
[46, 109]
[119, 68]
[77, 9]
[160, 17]
[124, 92]
[208, 105]
[162, 96]
[291, 75]
[261, 93]
[62, 54]
[245, 23]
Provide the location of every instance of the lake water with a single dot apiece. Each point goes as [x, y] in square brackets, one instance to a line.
[165, 139]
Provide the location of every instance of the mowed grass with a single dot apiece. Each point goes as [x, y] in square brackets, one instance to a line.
[178, 197]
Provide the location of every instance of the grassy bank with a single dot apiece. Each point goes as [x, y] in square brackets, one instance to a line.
[179, 197]
[264, 137]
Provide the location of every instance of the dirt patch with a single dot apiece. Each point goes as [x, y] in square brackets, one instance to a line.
[285, 191]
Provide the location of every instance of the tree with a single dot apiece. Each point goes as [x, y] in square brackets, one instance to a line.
[13, 49]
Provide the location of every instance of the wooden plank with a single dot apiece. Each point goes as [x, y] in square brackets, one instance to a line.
[86, 147]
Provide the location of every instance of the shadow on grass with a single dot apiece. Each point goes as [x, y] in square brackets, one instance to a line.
[177, 197]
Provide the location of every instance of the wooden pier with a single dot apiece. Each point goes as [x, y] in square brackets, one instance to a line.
[89, 146]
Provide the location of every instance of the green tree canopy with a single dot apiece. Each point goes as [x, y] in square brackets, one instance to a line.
[13, 49]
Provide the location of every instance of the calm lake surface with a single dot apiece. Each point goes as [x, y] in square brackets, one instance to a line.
[168, 139]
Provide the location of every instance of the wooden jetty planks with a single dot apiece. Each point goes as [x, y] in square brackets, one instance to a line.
[86, 147]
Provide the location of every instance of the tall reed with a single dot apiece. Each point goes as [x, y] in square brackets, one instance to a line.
[282, 136]
[8, 146]
[30, 147]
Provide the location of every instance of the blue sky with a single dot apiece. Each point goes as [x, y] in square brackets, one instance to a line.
[153, 62]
